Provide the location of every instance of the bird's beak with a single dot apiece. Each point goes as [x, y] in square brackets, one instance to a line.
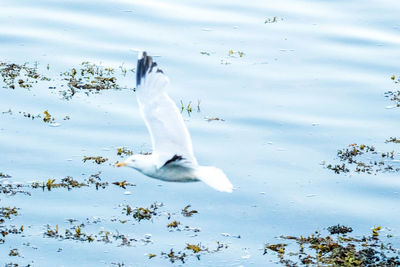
[121, 164]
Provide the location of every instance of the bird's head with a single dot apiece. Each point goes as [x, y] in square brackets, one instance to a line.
[137, 161]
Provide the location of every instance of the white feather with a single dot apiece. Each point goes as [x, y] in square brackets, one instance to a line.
[172, 158]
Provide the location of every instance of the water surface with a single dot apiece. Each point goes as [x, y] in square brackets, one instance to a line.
[307, 85]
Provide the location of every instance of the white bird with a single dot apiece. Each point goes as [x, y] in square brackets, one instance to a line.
[172, 158]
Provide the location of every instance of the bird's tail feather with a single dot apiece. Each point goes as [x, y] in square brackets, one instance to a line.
[215, 178]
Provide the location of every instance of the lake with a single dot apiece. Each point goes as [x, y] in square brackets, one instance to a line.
[270, 91]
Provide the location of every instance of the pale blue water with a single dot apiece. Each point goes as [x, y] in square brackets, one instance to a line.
[307, 85]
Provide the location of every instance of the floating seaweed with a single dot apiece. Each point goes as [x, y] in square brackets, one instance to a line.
[91, 78]
[151, 255]
[141, 213]
[394, 95]
[188, 213]
[213, 119]
[232, 53]
[272, 20]
[23, 75]
[339, 229]
[14, 252]
[77, 232]
[6, 213]
[174, 256]
[365, 159]
[336, 250]
[196, 251]
[70, 183]
[3, 175]
[393, 140]
[47, 116]
[97, 159]
[123, 184]
[173, 224]
[12, 189]
[122, 151]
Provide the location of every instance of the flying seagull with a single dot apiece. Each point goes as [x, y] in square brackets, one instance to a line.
[172, 158]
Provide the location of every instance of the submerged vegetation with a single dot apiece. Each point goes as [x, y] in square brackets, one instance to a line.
[336, 249]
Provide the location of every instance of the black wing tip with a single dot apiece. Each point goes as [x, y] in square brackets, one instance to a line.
[145, 64]
[173, 159]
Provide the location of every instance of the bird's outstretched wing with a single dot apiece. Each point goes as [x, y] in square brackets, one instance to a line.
[168, 132]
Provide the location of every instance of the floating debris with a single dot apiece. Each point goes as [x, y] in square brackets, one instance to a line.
[393, 140]
[173, 224]
[6, 213]
[47, 116]
[13, 253]
[337, 250]
[175, 256]
[188, 213]
[197, 251]
[123, 184]
[272, 20]
[151, 255]
[20, 75]
[98, 159]
[213, 119]
[3, 175]
[189, 108]
[394, 95]
[122, 151]
[232, 53]
[205, 53]
[362, 157]
[339, 229]
[95, 179]
[194, 248]
[76, 232]
[12, 189]
[91, 78]
[225, 62]
[146, 213]
[69, 183]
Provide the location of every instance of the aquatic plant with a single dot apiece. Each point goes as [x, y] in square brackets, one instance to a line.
[394, 95]
[336, 249]
[96, 159]
[91, 78]
[23, 75]
[188, 213]
[364, 159]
